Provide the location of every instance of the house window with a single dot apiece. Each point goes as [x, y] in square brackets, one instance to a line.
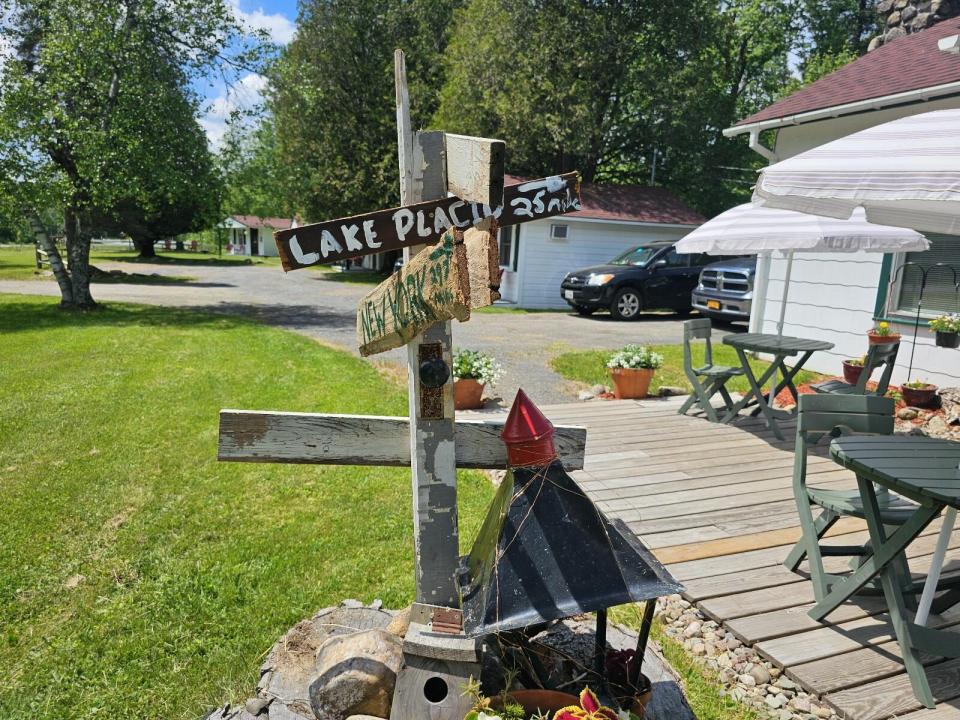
[509, 240]
[940, 295]
[558, 231]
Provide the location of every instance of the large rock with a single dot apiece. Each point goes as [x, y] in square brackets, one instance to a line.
[356, 675]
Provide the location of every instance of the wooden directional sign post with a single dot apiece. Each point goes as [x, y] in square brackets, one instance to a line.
[452, 202]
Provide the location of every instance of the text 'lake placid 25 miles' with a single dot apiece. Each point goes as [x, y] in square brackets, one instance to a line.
[423, 223]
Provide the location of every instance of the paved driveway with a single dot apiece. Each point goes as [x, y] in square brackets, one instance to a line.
[318, 305]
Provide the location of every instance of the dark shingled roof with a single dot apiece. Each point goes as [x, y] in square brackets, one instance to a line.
[630, 203]
[263, 223]
[909, 63]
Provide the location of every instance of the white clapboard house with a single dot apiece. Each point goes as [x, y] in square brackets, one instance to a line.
[536, 255]
[838, 297]
[252, 235]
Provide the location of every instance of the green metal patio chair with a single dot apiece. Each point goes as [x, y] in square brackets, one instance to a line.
[833, 415]
[707, 379]
[877, 355]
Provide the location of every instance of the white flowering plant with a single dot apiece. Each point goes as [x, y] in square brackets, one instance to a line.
[946, 323]
[476, 365]
[635, 357]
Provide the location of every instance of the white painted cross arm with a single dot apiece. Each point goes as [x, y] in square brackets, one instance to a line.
[312, 438]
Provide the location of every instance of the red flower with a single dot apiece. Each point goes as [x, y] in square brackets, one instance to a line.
[590, 709]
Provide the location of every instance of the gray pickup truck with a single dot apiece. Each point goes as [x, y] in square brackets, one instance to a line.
[725, 290]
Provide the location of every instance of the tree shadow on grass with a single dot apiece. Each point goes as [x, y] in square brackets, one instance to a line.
[200, 260]
[45, 313]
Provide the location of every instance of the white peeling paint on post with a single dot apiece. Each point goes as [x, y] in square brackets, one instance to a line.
[435, 533]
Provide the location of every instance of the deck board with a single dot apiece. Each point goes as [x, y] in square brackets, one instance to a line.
[715, 503]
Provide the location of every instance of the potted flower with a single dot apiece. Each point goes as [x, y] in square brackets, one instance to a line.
[631, 370]
[947, 328]
[880, 334]
[852, 369]
[472, 371]
[630, 691]
[918, 393]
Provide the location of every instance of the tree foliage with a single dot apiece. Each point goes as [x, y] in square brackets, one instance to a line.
[254, 182]
[333, 97]
[97, 115]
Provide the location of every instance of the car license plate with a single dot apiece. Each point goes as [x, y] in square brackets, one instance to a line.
[713, 304]
[568, 294]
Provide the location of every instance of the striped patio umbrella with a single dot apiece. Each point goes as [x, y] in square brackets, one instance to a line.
[905, 173]
[747, 230]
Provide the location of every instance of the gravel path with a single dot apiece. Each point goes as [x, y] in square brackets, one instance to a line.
[319, 306]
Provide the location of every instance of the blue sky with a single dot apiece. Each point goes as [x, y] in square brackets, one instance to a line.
[278, 18]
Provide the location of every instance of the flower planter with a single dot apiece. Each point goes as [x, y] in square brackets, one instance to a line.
[630, 383]
[948, 339]
[919, 397]
[851, 372]
[542, 701]
[875, 339]
[467, 394]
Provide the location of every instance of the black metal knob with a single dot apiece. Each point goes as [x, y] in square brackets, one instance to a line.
[434, 373]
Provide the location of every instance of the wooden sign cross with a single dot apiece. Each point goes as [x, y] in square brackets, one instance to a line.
[452, 202]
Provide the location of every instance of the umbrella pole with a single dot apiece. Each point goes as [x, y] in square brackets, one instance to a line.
[783, 312]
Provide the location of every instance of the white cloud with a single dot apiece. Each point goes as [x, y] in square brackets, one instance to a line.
[246, 94]
[279, 27]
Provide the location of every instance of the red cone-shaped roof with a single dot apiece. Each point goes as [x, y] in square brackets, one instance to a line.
[528, 434]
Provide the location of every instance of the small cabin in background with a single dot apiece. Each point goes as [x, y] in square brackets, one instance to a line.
[252, 235]
[535, 256]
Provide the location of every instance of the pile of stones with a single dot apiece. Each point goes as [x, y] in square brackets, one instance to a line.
[744, 675]
[943, 423]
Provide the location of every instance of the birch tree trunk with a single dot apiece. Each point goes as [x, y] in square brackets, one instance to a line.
[53, 255]
[78, 257]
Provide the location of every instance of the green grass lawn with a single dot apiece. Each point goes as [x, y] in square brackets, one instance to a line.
[590, 367]
[18, 263]
[352, 277]
[139, 577]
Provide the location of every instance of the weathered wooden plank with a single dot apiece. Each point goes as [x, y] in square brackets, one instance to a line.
[833, 640]
[892, 697]
[475, 168]
[483, 263]
[433, 287]
[855, 668]
[312, 438]
[790, 621]
[421, 223]
[733, 545]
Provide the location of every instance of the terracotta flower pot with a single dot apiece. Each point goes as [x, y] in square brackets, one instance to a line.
[948, 339]
[851, 372]
[467, 394]
[919, 397]
[630, 383]
[875, 339]
[543, 701]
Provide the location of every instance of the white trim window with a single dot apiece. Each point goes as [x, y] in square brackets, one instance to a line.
[940, 294]
[509, 241]
[559, 231]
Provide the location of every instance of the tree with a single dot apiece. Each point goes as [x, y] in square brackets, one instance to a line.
[254, 182]
[94, 103]
[332, 97]
[676, 76]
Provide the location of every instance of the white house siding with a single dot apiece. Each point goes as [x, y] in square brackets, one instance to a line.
[543, 262]
[509, 285]
[833, 296]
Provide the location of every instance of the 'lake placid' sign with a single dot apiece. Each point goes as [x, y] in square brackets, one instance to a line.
[423, 223]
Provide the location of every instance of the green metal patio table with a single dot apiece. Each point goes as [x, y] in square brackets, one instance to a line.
[926, 471]
[781, 347]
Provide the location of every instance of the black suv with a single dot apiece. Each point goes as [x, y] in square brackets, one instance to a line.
[652, 277]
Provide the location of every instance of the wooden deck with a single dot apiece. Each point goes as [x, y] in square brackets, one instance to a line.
[715, 504]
